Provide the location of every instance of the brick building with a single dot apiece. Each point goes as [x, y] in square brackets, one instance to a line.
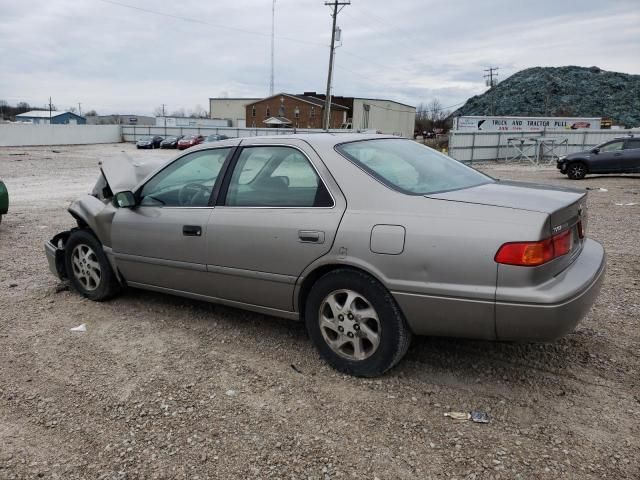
[293, 111]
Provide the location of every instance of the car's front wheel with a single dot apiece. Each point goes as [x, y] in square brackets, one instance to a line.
[88, 268]
[355, 323]
[576, 171]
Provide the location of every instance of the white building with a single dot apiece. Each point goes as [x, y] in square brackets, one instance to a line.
[232, 109]
[386, 116]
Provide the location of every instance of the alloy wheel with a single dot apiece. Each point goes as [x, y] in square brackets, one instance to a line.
[577, 171]
[349, 324]
[86, 267]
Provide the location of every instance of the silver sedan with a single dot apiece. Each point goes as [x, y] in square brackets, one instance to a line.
[367, 239]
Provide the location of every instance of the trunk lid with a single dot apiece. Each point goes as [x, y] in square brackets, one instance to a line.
[566, 207]
[561, 203]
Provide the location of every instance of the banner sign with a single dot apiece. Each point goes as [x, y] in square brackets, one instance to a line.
[523, 124]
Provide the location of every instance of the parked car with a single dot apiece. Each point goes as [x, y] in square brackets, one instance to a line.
[215, 138]
[171, 142]
[368, 239]
[621, 155]
[149, 142]
[4, 200]
[190, 141]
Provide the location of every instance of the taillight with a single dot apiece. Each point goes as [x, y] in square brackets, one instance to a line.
[562, 243]
[533, 254]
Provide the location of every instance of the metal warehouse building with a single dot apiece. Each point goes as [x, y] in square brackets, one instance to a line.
[45, 117]
[232, 109]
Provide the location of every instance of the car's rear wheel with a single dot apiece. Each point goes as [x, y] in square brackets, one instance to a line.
[355, 323]
[576, 171]
[88, 268]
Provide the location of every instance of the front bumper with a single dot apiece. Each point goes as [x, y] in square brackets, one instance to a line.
[549, 311]
[54, 250]
[562, 166]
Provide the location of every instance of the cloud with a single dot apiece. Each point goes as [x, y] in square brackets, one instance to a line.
[119, 59]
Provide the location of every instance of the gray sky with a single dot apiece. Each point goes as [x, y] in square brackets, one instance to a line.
[118, 59]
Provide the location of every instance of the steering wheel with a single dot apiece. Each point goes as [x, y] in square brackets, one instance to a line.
[188, 194]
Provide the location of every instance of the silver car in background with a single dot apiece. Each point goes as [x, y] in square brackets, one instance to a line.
[368, 239]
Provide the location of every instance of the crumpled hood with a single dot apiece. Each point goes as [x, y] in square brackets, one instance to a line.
[125, 173]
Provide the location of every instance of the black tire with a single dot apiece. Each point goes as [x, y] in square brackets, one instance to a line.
[394, 334]
[576, 171]
[97, 285]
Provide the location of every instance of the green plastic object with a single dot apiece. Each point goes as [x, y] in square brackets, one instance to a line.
[4, 199]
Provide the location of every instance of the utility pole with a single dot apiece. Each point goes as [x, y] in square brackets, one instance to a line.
[79, 109]
[164, 119]
[327, 103]
[491, 82]
[273, 35]
[50, 105]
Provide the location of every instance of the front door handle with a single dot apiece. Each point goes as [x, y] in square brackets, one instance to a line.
[311, 236]
[192, 230]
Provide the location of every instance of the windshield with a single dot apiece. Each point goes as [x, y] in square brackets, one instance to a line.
[145, 139]
[409, 167]
[171, 139]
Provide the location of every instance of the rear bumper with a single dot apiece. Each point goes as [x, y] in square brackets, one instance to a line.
[549, 311]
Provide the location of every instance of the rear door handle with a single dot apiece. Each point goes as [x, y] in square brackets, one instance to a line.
[311, 236]
[192, 230]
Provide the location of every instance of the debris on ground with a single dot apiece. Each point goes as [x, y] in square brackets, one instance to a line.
[79, 328]
[474, 416]
[295, 369]
[231, 393]
[61, 287]
[479, 417]
[458, 415]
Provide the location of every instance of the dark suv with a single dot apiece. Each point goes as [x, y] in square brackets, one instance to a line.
[621, 155]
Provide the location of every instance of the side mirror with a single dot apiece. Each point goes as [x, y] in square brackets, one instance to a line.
[595, 150]
[124, 200]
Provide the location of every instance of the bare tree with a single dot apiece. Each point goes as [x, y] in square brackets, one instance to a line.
[158, 111]
[435, 110]
[91, 113]
[198, 112]
[178, 113]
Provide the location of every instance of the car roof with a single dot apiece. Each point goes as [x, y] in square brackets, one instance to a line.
[321, 140]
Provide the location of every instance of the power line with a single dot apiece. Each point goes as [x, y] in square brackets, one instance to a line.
[203, 22]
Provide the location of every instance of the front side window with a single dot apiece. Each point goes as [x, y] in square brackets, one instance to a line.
[275, 177]
[611, 147]
[409, 167]
[187, 182]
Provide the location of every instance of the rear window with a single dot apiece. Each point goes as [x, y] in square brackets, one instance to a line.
[409, 167]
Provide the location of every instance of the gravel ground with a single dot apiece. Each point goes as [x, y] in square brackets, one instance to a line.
[164, 387]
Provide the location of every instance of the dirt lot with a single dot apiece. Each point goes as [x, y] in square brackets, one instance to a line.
[163, 387]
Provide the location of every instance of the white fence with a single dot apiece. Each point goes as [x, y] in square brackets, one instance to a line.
[14, 135]
[133, 133]
[480, 146]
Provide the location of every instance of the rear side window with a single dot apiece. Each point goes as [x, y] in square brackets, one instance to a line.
[275, 177]
[632, 144]
[409, 167]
